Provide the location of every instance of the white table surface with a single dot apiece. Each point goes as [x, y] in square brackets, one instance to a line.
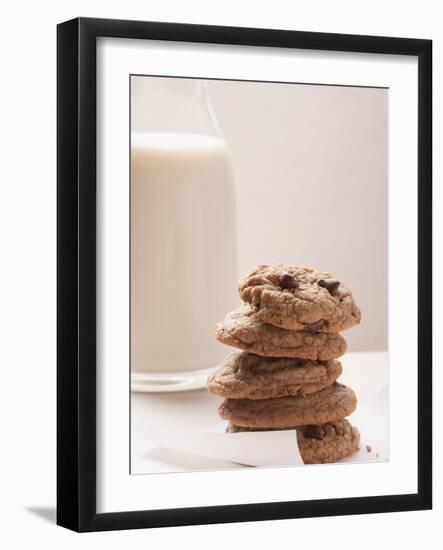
[185, 414]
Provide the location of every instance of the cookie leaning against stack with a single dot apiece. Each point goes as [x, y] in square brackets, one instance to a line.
[285, 377]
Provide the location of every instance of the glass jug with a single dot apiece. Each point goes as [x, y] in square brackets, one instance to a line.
[183, 234]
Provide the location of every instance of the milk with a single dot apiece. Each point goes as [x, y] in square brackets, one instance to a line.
[183, 250]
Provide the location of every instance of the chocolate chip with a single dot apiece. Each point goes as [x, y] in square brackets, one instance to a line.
[288, 281]
[314, 432]
[317, 326]
[331, 285]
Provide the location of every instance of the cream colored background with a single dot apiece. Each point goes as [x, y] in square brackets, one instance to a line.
[310, 165]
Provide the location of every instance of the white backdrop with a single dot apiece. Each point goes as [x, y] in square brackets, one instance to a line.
[27, 223]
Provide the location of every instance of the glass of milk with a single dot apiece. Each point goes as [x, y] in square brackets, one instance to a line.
[183, 234]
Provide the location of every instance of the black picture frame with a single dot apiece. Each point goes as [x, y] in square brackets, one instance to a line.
[76, 273]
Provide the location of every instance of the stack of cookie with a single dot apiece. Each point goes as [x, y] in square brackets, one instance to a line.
[286, 375]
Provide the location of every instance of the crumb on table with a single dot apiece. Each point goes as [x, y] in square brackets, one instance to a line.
[368, 448]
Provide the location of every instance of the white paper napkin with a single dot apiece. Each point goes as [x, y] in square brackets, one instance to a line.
[275, 448]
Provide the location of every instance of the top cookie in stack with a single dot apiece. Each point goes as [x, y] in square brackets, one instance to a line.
[299, 298]
[285, 377]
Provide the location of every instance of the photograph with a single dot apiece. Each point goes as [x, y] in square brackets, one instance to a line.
[244, 274]
[219, 281]
[258, 272]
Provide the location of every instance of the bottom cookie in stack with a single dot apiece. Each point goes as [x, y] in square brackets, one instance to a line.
[321, 443]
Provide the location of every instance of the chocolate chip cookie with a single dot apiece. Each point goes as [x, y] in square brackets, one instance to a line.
[328, 442]
[299, 298]
[247, 376]
[333, 403]
[321, 444]
[244, 330]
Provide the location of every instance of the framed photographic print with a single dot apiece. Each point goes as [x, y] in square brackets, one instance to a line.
[244, 274]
